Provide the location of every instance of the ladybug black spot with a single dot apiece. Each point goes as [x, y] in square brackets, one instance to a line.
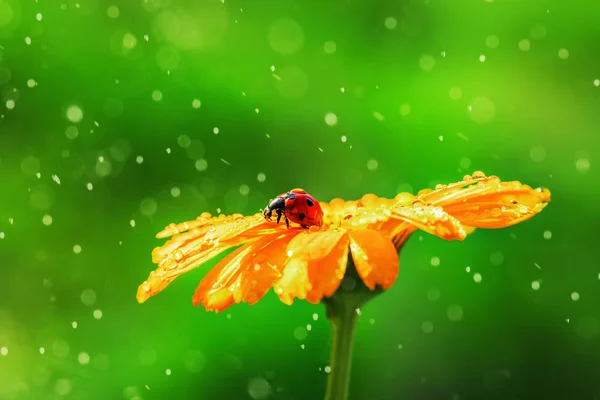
[301, 216]
[309, 202]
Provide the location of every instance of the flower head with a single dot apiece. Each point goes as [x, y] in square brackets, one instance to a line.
[310, 263]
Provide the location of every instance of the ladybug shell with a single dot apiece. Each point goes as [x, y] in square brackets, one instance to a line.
[303, 209]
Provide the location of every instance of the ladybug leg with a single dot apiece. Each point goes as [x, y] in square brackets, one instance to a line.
[279, 214]
[304, 226]
[287, 221]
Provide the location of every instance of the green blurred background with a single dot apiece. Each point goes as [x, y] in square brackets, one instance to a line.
[118, 118]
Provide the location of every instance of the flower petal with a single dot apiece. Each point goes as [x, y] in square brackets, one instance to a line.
[486, 202]
[246, 274]
[186, 251]
[375, 258]
[432, 220]
[315, 267]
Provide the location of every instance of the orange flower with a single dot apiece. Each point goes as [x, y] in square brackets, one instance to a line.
[310, 263]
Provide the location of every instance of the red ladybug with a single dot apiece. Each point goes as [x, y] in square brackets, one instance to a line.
[296, 206]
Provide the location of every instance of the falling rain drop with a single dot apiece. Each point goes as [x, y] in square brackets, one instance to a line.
[331, 119]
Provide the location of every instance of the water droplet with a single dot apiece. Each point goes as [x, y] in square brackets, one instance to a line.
[563, 54]
[427, 62]
[547, 235]
[405, 110]
[477, 277]
[482, 58]
[97, 314]
[261, 177]
[455, 313]
[390, 23]
[315, 316]
[435, 261]
[331, 119]
[300, 333]
[113, 12]
[77, 249]
[139, 159]
[4, 350]
[88, 297]
[168, 371]
[372, 165]
[157, 95]
[259, 388]
[327, 369]
[201, 165]
[574, 296]
[330, 47]
[582, 165]
[535, 285]
[196, 103]
[47, 220]
[83, 358]
[63, 387]
[427, 327]
[74, 114]
[492, 41]
[524, 44]
[537, 153]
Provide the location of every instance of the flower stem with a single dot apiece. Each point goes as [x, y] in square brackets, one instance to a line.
[343, 318]
[343, 311]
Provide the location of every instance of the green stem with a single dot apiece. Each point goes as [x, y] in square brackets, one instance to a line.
[343, 318]
[342, 313]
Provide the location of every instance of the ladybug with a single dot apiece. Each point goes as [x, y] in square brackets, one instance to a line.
[296, 206]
